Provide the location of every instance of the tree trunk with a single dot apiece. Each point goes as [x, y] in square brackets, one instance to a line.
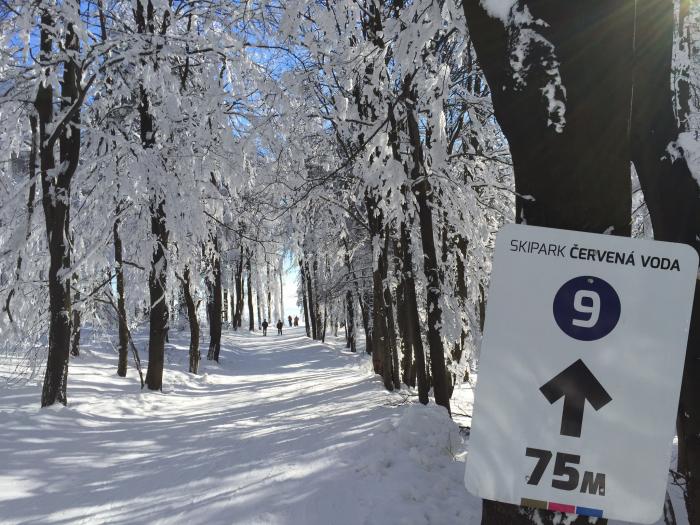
[75, 327]
[320, 330]
[269, 296]
[423, 194]
[281, 289]
[158, 313]
[56, 203]
[312, 304]
[413, 331]
[302, 274]
[257, 301]
[671, 196]
[224, 306]
[158, 316]
[214, 306]
[251, 314]
[393, 355]
[364, 312]
[241, 299]
[123, 328]
[350, 322]
[381, 356]
[571, 170]
[194, 322]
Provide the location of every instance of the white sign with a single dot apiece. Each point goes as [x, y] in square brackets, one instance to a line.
[580, 372]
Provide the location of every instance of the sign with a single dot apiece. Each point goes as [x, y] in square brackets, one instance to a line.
[580, 372]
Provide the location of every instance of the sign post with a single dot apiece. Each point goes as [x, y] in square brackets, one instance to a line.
[580, 372]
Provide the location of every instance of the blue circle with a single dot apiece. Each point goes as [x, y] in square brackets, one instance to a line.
[586, 308]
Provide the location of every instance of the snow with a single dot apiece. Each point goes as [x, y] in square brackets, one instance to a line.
[690, 143]
[283, 431]
[499, 8]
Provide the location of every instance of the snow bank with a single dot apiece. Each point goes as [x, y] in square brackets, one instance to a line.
[420, 455]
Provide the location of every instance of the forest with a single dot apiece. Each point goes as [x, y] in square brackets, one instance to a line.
[170, 168]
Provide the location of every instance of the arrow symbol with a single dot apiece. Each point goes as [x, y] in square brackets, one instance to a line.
[576, 384]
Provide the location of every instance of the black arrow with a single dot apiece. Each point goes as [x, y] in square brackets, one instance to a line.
[577, 383]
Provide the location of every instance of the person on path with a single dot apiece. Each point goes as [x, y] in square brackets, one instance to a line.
[264, 325]
[289, 319]
[280, 324]
[296, 320]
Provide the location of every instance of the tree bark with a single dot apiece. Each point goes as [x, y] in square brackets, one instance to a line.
[56, 205]
[214, 306]
[312, 304]
[413, 331]
[75, 326]
[424, 197]
[302, 274]
[251, 314]
[193, 321]
[571, 172]
[350, 322]
[671, 195]
[123, 329]
[381, 356]
[364, 312]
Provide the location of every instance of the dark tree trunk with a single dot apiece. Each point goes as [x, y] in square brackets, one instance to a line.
[269, 296]
[413, 332]
[56, 205]
[461, 293]
[158, 313]
[251, 314]
[577, 176]
[320, 329]
[302, 274]
[238, 279]
[424, 197]
[194, 322]
[158, 316]
[75, 327]
[393, 356]
[671, 196]
[214, 306]
[224, 307]
[240, 305]
[259, 308]
[312, 304]
[350, 322]
[123, 329]
[381, 356]
[364, 312]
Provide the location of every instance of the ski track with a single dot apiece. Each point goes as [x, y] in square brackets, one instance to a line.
[284, 430]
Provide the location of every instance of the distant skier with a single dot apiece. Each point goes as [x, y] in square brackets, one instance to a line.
[289, 319]
[280, 324]
[296, 320]
[264, 325]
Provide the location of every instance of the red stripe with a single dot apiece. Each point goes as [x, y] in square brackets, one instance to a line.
[560, 507]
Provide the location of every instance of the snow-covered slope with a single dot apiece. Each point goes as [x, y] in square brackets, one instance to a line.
[283, 431]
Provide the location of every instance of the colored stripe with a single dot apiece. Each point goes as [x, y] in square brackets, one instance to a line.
[585, 511]
[533, 503]
[560, 507]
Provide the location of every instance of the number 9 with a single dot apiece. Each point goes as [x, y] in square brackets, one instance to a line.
[592, 311]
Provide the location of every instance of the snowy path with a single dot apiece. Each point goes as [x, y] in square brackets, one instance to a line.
[283, 431]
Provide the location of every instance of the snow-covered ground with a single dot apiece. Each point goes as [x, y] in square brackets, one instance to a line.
[283, 431]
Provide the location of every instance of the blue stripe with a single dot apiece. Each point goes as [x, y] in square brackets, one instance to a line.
[585, 511]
